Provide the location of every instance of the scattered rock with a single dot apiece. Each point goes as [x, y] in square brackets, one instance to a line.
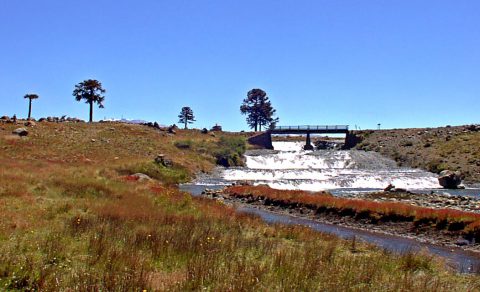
[93, 140]
[30, 124]
[20, 132]
[141, 177]
[162, 160]
[449, 179]
[473, 128]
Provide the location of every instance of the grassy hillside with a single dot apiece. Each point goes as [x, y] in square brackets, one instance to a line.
[433, 149]
[71, 218]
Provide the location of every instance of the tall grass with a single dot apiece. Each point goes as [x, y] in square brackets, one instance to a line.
[80, 226]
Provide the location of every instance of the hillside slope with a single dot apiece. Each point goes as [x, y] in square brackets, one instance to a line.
[432, 149]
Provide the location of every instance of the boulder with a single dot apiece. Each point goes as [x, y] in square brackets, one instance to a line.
[20, 132]
[30, 124]
[204, 131]
[162, 160]
[172, 129]
[449, 179]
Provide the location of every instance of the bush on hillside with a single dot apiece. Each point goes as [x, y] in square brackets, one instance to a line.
[230, 151]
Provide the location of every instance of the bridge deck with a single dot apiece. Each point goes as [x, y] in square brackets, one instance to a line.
[335, 129]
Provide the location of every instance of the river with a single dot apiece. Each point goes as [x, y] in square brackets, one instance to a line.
[339, 172]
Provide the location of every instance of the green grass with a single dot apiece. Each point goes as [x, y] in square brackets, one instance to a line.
[230, 151]
[169, 175]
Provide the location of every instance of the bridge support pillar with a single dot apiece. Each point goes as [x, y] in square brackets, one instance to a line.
[308, 145]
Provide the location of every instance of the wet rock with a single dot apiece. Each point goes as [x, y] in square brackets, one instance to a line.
[20, 132]
[449, 179]
[389, 188]
[462, 242]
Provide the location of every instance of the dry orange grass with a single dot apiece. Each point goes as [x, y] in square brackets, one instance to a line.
[384, 211]
[70, 221]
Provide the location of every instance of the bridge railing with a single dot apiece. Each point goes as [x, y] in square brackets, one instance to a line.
[309, 127]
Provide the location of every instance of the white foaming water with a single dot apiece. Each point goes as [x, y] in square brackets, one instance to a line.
[290, 167]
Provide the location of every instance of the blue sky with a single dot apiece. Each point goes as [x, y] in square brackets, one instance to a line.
[400, 63]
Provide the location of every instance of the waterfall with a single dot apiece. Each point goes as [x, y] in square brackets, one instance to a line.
[291, 167]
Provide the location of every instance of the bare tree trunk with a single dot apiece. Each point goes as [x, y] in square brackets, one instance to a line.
[30, 109]
[91, 112]
[186, 123]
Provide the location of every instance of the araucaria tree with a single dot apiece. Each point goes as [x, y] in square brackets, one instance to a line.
[186, 116]
[259, 110]
[30, 97]
[91, 91]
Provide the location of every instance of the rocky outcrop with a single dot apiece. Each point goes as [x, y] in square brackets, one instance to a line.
[450, 179]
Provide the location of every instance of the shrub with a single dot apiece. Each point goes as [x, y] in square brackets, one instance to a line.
[230, 151]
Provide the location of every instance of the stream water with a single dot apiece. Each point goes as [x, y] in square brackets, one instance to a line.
[340, 172]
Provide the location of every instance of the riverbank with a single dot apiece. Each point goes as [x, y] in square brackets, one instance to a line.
[445, 227]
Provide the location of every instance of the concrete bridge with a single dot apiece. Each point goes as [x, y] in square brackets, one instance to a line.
[265, 139]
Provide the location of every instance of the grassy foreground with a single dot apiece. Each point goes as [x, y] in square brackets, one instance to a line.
[70, 219]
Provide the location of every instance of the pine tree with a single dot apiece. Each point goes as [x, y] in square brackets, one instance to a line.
[186, 116]
[30, 96]
[91, 91]
[259, 110]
